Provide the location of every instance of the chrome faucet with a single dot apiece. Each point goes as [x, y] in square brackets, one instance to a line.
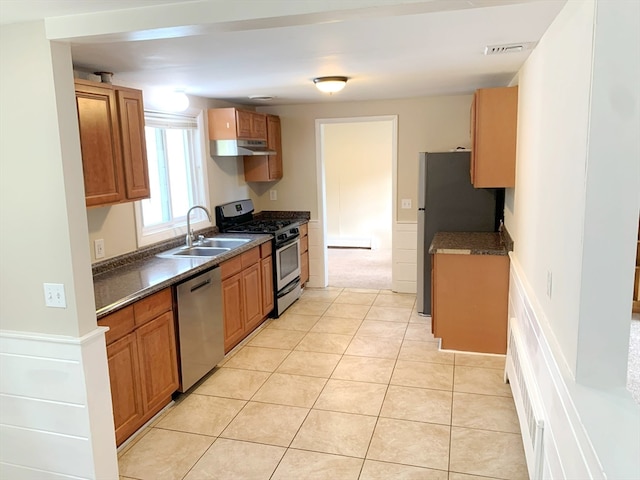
[190, 237]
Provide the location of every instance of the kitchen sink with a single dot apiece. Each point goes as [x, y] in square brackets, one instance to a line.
[205, 247]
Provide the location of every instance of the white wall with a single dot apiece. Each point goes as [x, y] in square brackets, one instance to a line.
[358, 161]
[575, 207]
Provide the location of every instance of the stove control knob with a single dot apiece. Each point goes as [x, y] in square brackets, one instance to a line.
[282, 236]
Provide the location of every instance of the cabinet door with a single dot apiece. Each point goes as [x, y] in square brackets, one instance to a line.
[158, 361]
[258, 126]
[101, 144]
[243, 122]
[252, 290]
[134, 149]
[232, 299]
[266, 266]
[126, 392]
[274, 141]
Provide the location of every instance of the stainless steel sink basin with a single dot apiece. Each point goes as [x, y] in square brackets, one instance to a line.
[196, 251]
[222, 242]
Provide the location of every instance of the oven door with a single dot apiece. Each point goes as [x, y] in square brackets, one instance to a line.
[287, 263]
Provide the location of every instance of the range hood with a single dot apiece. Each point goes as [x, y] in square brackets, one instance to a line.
[239, 148]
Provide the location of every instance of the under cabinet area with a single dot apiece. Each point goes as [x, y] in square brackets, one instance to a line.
[112, 140]
[142, 360]
[494, 115]
[245, 282]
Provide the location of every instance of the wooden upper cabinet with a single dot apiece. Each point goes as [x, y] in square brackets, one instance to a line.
[100, 143]
[494, 114]
[233, 123]
[266, 168]
[134, 148]
[114, 158]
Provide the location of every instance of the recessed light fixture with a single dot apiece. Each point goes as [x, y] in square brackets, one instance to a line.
[330, 84]
[261, 98]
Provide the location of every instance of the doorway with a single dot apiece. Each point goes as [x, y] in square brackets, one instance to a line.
[357, 160]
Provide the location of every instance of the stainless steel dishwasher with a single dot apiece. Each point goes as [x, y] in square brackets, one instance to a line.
[200, 327]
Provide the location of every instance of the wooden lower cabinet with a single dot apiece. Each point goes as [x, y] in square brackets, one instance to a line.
[304, 254]
[470, 302]
[244, 281]
[268, 300]
[142, 359]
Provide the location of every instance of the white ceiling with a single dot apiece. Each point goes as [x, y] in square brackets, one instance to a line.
[387, 48]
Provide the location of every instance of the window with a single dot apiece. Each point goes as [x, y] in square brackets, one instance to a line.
[177, 177]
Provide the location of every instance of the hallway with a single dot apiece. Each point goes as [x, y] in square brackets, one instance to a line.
[347, 384]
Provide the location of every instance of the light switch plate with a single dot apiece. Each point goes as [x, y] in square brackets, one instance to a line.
[98, 248]
[273, 194]
[54, 295]
[406, 203]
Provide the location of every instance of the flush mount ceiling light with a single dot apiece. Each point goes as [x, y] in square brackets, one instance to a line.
[176, 101]
[330, 84]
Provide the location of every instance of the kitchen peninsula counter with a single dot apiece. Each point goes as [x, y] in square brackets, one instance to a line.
[125, 279]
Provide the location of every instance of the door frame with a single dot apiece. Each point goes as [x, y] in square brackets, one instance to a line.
[321, 188]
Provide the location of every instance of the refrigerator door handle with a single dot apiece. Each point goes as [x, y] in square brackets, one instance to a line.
[421, 209]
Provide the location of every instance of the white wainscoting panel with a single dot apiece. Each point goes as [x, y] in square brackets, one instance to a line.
[567, 451]
[404, 258]
[56, 420]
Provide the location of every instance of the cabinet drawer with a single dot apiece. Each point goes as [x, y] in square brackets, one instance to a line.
[231, 267]
[152, 306]
[120, 324]
[304, 229]
[250, 257]
[265, 250]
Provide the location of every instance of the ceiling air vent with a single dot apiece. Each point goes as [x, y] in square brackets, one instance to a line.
[508, 48]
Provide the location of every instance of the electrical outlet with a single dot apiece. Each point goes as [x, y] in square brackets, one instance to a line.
[98, 248]
[54, 295]
[549, 283]
[273, 194]
[406, 203]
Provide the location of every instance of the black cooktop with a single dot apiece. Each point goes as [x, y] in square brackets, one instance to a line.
[260, 226]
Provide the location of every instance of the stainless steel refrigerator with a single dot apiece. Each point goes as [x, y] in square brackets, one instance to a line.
[447, 202]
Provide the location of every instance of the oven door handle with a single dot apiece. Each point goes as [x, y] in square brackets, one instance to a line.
[289, 288]
[289, 241]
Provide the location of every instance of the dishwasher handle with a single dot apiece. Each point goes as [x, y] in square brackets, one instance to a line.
[200, 285]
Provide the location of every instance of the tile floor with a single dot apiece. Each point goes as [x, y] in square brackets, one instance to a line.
[347, 384]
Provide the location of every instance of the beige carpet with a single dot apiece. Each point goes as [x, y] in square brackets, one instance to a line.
[360, 268]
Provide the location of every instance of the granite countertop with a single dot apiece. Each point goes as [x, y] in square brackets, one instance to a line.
[124, 280]
[469, 243]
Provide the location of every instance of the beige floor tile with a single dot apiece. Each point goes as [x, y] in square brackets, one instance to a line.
[488, 381]
[364, 369]
[423, 375]
[374, 347]
[417, 404]
[346, 310]
[324, 343]
[362, 290]
[334, 432]
[351, 397]
[395, 300]
[266, 423]
[292, 321]
[356, 298]
[380, 329]
[310, 363]
[233, 383]
[410, 443]
[498, 413]
[489, 454]
[300, 464]
[341, 326]
[274, 338]
[419, 332]
[479, 360]
[320, 294]
[424, 352]
[309, 307]
[416, 318]
[258, 358]
[389, 314]
[227, 459]
[374, 470]
[293, 390]
[163, 454]
[464, 476]
[202, 414]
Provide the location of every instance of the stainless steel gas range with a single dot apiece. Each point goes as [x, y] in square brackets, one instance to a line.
[237, 217]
